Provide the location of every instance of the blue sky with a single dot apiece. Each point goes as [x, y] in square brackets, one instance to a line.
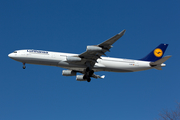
[41, 92]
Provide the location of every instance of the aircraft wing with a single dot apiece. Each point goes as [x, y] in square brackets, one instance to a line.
[112, 40]
[94, 52]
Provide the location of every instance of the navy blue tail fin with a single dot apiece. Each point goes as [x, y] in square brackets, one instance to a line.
[156, 54]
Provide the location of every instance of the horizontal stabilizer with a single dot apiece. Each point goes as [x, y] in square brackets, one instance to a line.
[160, 61]
[158, 68]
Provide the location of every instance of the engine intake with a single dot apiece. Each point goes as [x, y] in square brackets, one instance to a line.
[68, 73]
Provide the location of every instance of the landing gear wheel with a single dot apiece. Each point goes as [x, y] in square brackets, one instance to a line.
[91, 73]
[89, 79]
[87, 69]
[24, 67]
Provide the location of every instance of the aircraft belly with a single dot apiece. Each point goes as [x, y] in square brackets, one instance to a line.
[77, 67]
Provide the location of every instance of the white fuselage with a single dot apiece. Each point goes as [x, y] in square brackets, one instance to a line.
[60, 60]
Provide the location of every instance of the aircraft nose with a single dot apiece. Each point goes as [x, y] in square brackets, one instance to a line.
[10, 55]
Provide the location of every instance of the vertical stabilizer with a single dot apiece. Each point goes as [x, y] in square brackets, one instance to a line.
[156, 54]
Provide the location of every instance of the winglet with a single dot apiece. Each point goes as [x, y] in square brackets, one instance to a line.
[122, 32]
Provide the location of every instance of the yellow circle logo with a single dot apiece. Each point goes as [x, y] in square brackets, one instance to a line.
[158, 52]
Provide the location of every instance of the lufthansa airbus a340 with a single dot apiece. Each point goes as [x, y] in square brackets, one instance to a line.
[91, 60]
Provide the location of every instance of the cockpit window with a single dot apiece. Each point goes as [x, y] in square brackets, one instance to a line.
[15, 52]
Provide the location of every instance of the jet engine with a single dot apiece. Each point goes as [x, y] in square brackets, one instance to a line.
[80, 78]
[68, 73]
[73, 59]
[93, 48]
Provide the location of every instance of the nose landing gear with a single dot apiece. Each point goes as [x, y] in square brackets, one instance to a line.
[24, 66]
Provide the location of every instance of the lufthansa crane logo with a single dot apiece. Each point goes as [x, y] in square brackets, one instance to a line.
[158, 52]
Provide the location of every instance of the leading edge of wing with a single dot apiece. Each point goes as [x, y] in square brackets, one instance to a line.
[113, 39]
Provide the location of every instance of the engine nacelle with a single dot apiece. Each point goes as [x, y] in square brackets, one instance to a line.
[73, 59]
[68, 73]
[93, 48]
[80, 78]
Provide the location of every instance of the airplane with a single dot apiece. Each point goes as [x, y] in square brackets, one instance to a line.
[91, 60]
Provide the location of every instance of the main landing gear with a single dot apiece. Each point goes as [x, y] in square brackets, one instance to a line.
[24, 66]
[88, 74]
